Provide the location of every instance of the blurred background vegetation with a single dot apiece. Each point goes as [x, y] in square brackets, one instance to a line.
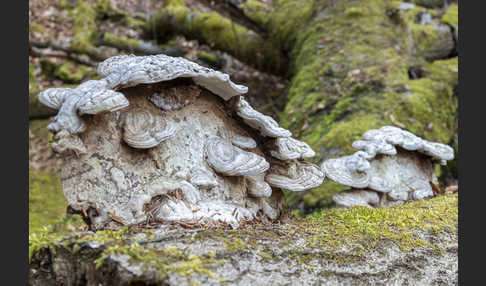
[327, 70]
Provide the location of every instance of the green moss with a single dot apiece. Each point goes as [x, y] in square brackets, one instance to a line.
[233, 243]
[84, 29]
[424, 37]
[42, 240]
[73, 73]
[66, 71]
[451, 17]
[171, 259]
[363, 228]
[287, 18]
[120, 42]
[209, 58]
[48, 67]
[257, 11]
[104, 6]
[46, 200]
[36, 28]
[134, 23]
[267, 257]
[355, 11]
[174, 2]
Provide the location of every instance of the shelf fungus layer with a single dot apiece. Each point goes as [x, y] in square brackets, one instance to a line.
[351, 198]
[400, 167]
[294, 175]
[230, 160]
[90, 97]
[263, 123]
[157, 140]
[288, 148]
[129, 70]
[144, 130]
[338, 170]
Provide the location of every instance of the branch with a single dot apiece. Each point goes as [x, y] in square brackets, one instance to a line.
[230, 9]
[41, 52]
[219, 33]
[136, 46]
[35, 48]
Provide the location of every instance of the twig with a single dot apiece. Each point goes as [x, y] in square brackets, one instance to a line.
[37, 52]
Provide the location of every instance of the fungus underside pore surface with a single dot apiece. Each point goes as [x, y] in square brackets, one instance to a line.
[336, 236]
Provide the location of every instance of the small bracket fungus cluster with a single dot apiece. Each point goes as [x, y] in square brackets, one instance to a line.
[392, 166]
[162, 139]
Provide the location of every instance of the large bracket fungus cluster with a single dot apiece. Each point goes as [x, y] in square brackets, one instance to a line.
[162, 139]
[392, 166]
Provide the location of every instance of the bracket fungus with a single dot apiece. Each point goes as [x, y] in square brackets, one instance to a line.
[392, 163]
[295, 175]
[288, 148]
[264, 123]
[160, 139]
[90, 97]
[143, 130]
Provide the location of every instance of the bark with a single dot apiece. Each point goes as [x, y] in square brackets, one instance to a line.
[38, 49]
[232, 10]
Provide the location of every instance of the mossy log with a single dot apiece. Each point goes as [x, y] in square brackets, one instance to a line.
[220, 33]
[355, 67]
[413, 244]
